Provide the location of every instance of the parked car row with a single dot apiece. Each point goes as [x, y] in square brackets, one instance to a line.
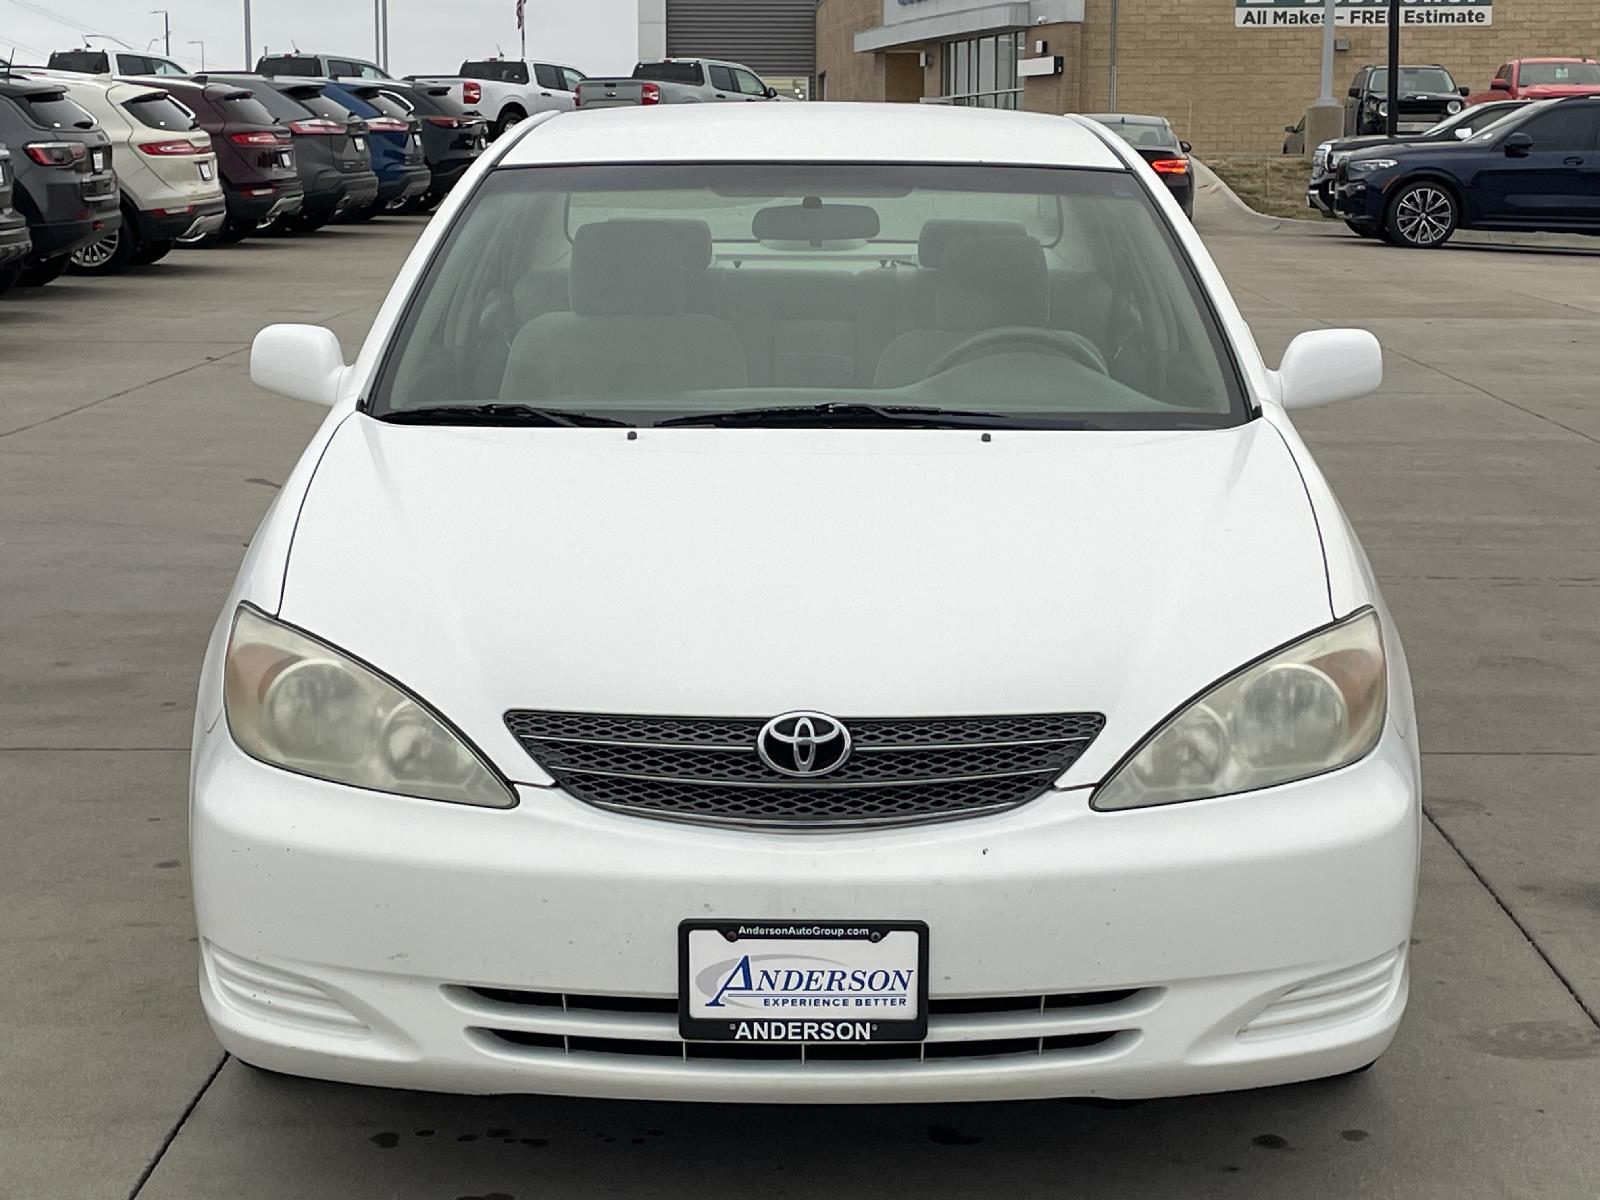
[106, 171]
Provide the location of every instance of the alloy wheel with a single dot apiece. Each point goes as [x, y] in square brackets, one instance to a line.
[97, 255]
[1424, 216]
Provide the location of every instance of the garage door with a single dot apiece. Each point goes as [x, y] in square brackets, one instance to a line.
[772, 37]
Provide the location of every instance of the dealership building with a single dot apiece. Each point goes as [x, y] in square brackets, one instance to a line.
[1230, 74]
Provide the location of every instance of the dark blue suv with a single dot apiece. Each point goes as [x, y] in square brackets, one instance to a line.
[1535, 170]
[395, 137]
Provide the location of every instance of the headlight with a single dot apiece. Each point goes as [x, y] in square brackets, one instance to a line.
[1366, 166]
[1315, 706]
[1453, 107]
[1323, 147]
[1383, 108]
[1334, 160]
[299, 704]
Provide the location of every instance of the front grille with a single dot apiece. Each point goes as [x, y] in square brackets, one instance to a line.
[576, 1027]
[901, 770]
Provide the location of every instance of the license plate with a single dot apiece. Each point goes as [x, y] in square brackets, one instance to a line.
[206, 171]
[97, 159]
[361, 143]
[803, 981]
[285, 158]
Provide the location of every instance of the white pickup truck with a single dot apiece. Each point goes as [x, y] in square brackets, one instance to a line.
[676, 81]
[507, 91]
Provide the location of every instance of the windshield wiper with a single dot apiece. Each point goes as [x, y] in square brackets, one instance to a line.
[822, 416]
[495, 414]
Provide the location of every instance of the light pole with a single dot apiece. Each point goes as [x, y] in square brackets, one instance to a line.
[249, 54]
[202, 46]
[166, 27]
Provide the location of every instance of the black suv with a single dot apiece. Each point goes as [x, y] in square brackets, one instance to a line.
[1428, 94]
[453, 135]
[65, 186]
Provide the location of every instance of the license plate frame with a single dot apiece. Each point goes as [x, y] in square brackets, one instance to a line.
[781, 1003]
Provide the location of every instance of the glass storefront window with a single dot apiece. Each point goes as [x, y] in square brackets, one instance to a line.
[982, 72]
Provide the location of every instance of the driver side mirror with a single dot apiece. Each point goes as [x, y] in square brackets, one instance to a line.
[1499, 85]
[771, 93]
[1518, 145]
[303, 362]
[1328, 365]
[1186, 147]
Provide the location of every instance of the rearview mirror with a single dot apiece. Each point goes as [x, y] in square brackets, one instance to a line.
[303, 362]
[1328, 365]
[1518, 145]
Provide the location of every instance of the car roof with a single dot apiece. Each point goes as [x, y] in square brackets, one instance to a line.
[831, 132]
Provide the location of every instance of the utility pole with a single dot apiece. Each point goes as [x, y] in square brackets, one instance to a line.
[1324, 119]
[202, 46]
[249, 54]
[1394, 68]
[1325, 95]
[166, 27]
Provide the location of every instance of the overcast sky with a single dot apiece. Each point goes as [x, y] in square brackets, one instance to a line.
[425, 36]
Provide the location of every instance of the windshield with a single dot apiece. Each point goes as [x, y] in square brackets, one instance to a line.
[1414, 79]
[1044, 297]
[1471, 120]
[1558, 74]
[1155, 135]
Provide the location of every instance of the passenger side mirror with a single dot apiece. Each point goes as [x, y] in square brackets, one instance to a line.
[771, 93]
[1186, 147]
[1499, 85]
[1328, 365]
[1518, 145]
[1355, 93]
[303, 362]
[1464, 92]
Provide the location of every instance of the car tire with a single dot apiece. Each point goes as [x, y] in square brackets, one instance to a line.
[509, 118]
[150, 252]
[111, 255]
[42, 273]
[9, 277]
[1422, 215]
[233, 232]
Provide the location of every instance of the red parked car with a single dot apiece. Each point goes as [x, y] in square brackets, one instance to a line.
[255, 154]
[1542, 79]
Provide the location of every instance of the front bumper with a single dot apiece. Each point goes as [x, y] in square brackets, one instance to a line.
[1359, 201]
[1319, 195]
[1254, 940]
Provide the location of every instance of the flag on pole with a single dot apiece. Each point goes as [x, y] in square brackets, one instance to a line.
[522, 6]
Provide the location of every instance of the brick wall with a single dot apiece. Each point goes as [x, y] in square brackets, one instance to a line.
[1233, 90]
[850, 76]
[1227, 90]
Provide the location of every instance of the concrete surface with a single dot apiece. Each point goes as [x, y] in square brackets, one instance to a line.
[135, 460]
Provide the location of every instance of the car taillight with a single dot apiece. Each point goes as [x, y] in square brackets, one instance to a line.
[471, 92]
[387, 125]
[447, 122]
[56, 154]
[1170, 166]
[168, 149]
[319, 126]
[259, 138]
[649, 93]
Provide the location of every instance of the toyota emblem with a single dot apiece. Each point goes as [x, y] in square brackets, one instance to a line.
[803, 744]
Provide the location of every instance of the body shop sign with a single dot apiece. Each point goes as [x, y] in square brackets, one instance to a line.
[1297, 14]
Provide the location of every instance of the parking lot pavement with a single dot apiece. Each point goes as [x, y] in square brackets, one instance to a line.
[135, 459]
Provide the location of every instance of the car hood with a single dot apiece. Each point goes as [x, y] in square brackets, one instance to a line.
[750, 572]
[1550, 91]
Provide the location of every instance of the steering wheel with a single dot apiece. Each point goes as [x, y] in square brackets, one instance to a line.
[1028, 337]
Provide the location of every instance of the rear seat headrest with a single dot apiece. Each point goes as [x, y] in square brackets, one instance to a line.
[940, 237]
[636, 267]
[989, 282]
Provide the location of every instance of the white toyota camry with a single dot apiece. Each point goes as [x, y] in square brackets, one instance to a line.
[821, 603]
